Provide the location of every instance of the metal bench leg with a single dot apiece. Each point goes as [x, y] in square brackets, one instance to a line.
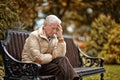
[55, 78]
[81, 78]
[102, 76]
[38, 78]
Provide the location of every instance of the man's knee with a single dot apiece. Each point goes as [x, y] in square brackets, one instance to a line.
[62, 57]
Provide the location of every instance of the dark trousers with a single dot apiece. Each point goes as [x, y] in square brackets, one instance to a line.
[61, 68]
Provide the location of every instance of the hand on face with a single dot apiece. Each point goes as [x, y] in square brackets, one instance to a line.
[53, 29]
[59, 31]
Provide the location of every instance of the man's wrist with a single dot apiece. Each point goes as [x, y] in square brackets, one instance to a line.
[37, 60]
[61, 40]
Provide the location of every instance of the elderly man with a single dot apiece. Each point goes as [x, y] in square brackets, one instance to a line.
[47, 47]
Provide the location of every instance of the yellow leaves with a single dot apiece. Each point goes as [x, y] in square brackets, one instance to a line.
[64, 4]
[111, 49]
[104, 37]
[114, 48]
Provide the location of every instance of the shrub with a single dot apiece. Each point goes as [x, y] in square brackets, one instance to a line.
[1, 72]
[99, 31]
[111, 50]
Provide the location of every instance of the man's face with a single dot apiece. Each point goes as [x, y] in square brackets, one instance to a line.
[50, 30]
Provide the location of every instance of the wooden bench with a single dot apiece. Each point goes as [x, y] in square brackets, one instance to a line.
[15, 69]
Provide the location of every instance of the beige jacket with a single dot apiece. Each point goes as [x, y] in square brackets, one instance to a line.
[37, 45]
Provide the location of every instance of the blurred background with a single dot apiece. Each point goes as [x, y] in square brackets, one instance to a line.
[94, 24]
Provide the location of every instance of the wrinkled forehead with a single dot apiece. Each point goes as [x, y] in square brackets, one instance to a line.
[55, 25]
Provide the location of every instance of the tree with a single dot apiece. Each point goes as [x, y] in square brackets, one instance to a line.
[111, 50]
[71, 12]
[8, 17]
[17, 14]
[99, 31]
[110, 7]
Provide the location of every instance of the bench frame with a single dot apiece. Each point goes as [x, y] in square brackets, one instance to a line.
[15, 69]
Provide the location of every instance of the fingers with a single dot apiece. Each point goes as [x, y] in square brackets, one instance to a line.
[59, 31]
[60, 27]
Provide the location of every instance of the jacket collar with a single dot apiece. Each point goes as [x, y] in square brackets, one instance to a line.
[42, 33]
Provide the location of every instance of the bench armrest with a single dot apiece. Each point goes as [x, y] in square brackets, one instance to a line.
[28, 68]
[15, 68]
[89, 61]
[18, 68]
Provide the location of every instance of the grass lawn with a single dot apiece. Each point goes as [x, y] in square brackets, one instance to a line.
[112, 73]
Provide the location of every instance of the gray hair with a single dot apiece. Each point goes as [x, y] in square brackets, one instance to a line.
[52, 19]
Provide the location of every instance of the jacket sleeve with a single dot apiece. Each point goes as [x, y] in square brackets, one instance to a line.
[34, 49]
[59, 50]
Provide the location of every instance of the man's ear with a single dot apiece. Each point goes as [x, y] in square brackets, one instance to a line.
[44, 26]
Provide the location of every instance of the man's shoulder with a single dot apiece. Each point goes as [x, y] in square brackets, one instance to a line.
[34, 32]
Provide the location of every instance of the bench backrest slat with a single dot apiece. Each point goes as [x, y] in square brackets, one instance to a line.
[16, 39]
[14, 42]
[72, 53]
